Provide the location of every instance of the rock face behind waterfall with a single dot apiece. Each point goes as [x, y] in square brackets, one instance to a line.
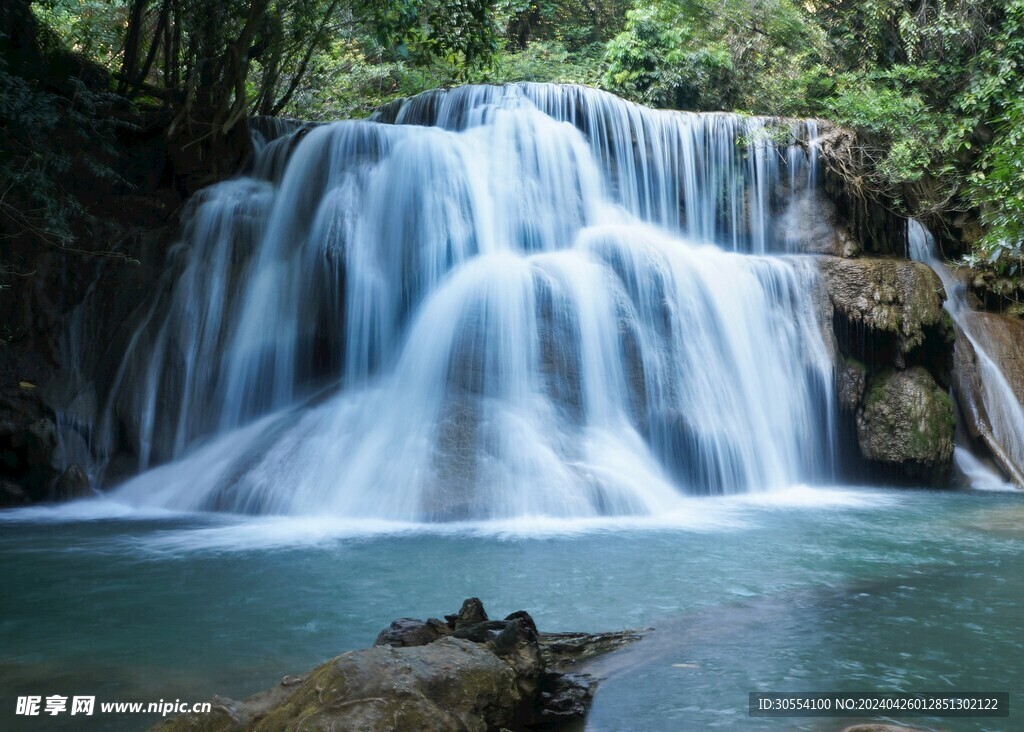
[467, 674]
[1002, 339]
[894, 351]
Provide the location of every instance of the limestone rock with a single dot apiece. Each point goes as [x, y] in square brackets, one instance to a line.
[967, 387]
[563, 650]
[73, 483]
[851, 378]
[409, 632]
[471, 613]
[452, 684]
[906, 419]
[810, 224]
[1002, 338]
[567, 696]
[468, 674]
[896, 297]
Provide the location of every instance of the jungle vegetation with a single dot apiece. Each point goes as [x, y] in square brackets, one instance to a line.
[932, 90]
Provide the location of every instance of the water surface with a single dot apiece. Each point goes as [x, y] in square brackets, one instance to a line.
[803, 589]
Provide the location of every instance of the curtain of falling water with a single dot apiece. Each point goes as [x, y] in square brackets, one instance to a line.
[486, 302]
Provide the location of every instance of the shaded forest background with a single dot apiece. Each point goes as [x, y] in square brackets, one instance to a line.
[148, 99]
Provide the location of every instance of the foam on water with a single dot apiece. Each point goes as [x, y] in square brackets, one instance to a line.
[981, 476]
[169, 533]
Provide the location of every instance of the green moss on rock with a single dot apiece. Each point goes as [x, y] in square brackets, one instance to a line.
[450, 685]
[906, 418]
[892, 296]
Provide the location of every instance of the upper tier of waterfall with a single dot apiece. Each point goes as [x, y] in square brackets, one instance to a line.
[486, 302]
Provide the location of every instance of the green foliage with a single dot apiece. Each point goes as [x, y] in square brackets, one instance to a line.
[903, 138]
[545, 61]
[657, 61]
[997, 186]
[345, 83]
[993, 102]
[461, 30]
[92, 28]
[50, 141]
[932, 89]
[572, 24]
[698, 54]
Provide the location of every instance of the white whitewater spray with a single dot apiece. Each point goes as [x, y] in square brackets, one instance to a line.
[487, 303]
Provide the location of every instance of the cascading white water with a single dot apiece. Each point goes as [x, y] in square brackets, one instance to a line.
[487, 302]
[1005, 413]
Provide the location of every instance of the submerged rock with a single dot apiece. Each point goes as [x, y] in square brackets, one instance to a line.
[469, 673]
[906, 419]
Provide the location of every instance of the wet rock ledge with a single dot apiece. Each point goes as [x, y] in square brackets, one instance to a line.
[466, 672]
[892, 343]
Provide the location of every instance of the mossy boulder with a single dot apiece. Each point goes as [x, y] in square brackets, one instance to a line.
[906, 420]
[450, 685]
[892, 345]
[899, 298]
[468, 674]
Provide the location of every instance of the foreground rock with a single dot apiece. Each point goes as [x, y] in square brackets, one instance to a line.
[464, 673]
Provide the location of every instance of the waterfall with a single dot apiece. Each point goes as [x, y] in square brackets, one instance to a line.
[1005, 413]
[486, 302]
